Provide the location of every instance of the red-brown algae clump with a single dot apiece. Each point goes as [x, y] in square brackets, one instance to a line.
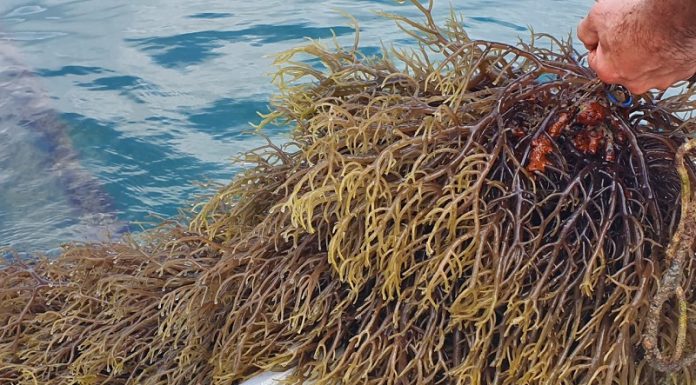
[587, 128]
[541, 148]
[591, 113]
[589, 141]
[560, 124]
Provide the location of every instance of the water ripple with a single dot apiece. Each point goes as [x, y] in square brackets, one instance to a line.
[25, 11]
[30, 35]
[211, 15]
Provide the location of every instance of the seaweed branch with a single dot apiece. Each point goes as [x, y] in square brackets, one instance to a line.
[679, 250]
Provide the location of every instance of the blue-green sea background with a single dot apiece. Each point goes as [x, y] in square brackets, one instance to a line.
[111, 110]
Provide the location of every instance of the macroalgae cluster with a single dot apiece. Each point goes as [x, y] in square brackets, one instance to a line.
[465, 212]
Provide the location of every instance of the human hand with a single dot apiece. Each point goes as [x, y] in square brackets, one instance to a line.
[638, 44]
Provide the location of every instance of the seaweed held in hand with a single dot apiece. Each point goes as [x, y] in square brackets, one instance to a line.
[467, 212]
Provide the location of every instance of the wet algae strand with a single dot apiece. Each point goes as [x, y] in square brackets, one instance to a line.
[466, 212]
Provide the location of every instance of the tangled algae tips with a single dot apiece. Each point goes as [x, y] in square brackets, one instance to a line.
[465, 212]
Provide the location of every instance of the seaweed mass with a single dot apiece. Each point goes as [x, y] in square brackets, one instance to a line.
[464, 212]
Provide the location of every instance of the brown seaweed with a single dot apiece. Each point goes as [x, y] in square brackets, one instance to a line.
[466, 212]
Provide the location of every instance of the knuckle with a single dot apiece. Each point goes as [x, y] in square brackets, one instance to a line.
[607, 75]
[637, 88]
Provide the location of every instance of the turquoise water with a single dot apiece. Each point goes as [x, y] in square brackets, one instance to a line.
[110, 110]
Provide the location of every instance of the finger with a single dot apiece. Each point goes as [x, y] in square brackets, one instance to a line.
[643, 83]
[660, 79]
[600, 62]
[687, 75]
[669, 81]
[587, 33]
[592, 59]
[637, 88]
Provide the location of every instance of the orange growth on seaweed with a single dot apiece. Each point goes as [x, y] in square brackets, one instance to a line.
[538, 160]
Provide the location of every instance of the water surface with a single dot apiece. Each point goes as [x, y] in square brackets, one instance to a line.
[110, 110]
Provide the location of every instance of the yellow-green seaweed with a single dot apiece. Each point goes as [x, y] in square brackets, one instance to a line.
[399, 238]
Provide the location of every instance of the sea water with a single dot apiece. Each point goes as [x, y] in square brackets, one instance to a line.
[113, 112]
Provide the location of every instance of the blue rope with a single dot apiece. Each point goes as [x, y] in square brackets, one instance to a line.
[612, 98]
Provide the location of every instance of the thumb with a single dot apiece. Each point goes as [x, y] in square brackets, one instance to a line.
[587, 33]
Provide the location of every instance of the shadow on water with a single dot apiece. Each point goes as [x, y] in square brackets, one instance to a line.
[69, 70]
[133, 87]
[121, 161]
[229, 118]
[196, 47]
[42, 180]
[502, 23]
[369, 51]
[116, 171]
[211, 15]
